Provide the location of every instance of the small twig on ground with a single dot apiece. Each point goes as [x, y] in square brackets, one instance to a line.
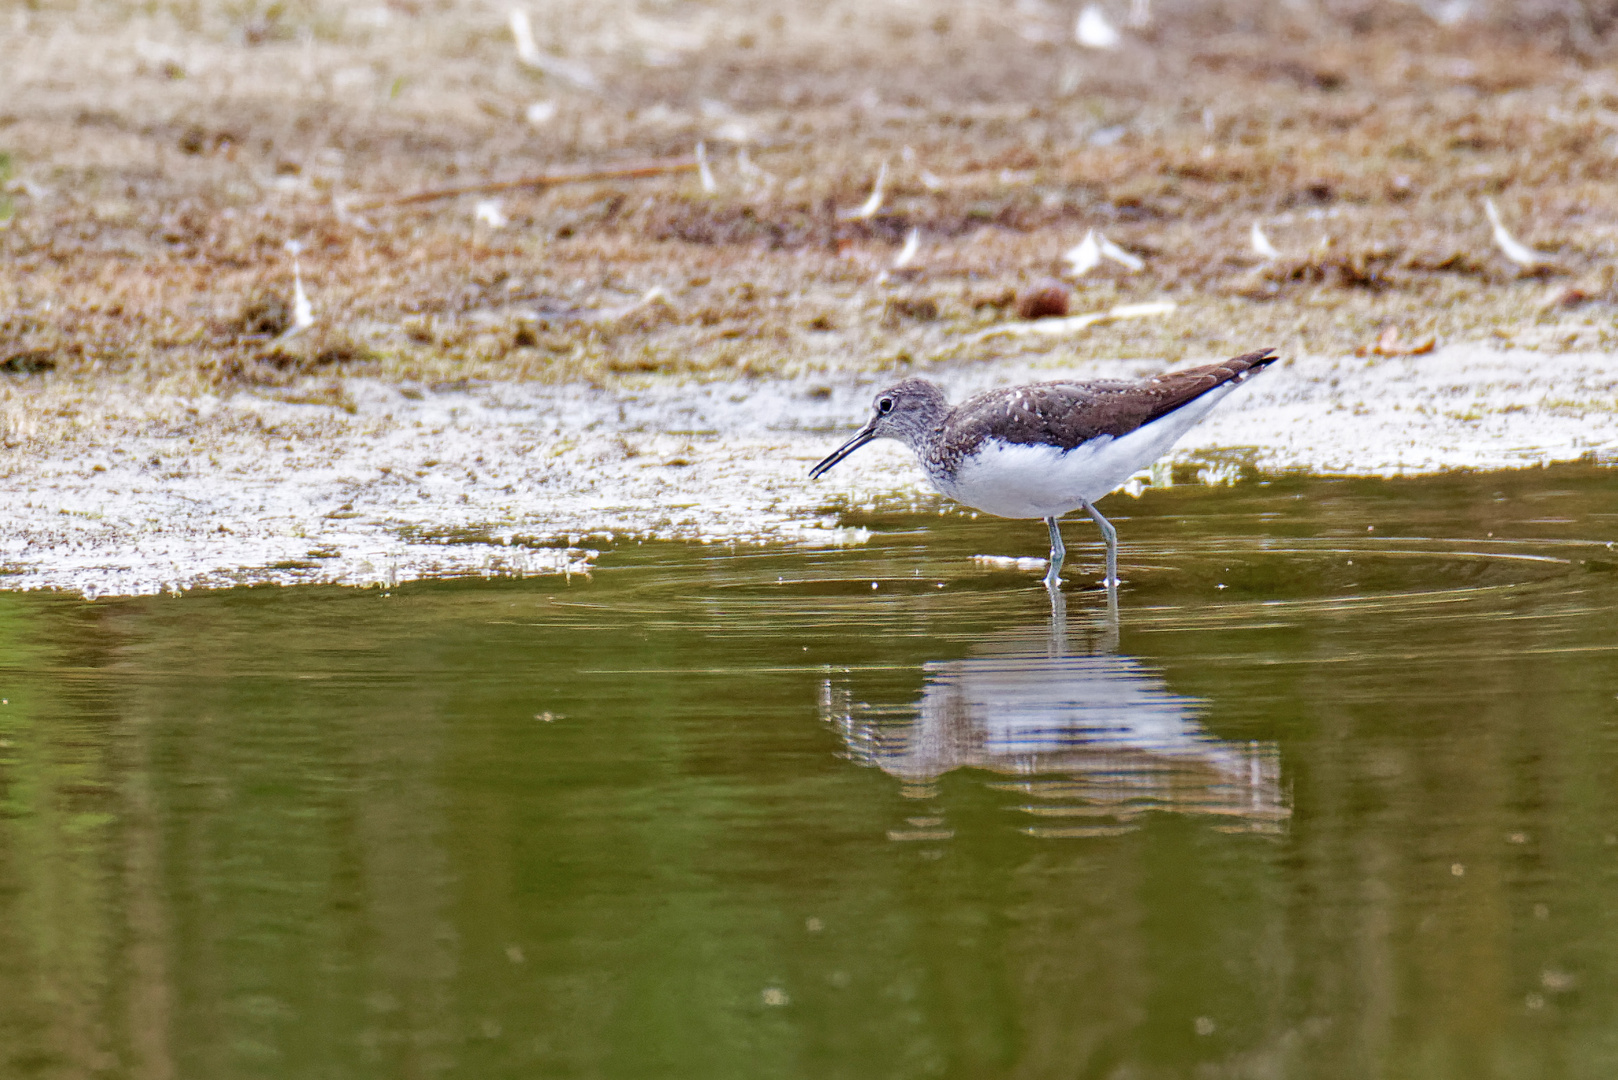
[1389, 343]
[1074, 323]
[629, 171]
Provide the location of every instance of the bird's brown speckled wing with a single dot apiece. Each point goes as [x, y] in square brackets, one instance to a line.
[1067, 414]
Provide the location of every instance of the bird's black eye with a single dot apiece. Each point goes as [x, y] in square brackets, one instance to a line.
[884, 406]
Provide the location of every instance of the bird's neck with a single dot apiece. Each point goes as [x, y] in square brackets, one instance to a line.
[927, 423]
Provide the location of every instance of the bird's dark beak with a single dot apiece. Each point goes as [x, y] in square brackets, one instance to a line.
[861, 437]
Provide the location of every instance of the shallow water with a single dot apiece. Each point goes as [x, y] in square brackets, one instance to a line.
[1334, 796]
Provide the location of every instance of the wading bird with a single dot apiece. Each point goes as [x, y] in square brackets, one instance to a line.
[1046, 449]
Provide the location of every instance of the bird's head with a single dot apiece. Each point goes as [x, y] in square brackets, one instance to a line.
[909, 411]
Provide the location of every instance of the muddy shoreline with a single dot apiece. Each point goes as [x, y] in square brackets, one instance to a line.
[162, 207]
[232, 350]
[402, 482]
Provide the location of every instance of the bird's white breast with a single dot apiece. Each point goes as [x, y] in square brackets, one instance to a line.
[1031, 480]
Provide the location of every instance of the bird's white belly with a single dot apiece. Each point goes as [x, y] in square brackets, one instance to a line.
[1021, 480]
[1030, 481]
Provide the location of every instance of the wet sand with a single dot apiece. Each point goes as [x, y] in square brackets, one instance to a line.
[407, 481]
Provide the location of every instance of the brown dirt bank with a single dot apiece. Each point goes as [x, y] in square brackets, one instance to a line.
[162, 156]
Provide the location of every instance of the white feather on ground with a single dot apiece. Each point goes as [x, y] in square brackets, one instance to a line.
[1514, 249]
[1110, 250]
[488, 213]
[874, 202]
[1093, 31]
[908, 252]
[703, 171]
[303, 312]
[522, 32]
[1085, 256]
[1261, 244]
[1089, 252]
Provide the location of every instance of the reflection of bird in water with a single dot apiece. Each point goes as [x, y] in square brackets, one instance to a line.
[1093, 741]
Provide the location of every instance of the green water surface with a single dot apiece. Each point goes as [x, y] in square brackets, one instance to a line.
[1335, 796]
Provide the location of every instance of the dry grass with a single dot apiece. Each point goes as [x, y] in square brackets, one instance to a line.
[162, 156]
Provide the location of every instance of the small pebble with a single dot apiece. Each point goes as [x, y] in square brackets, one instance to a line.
[1045, 299]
